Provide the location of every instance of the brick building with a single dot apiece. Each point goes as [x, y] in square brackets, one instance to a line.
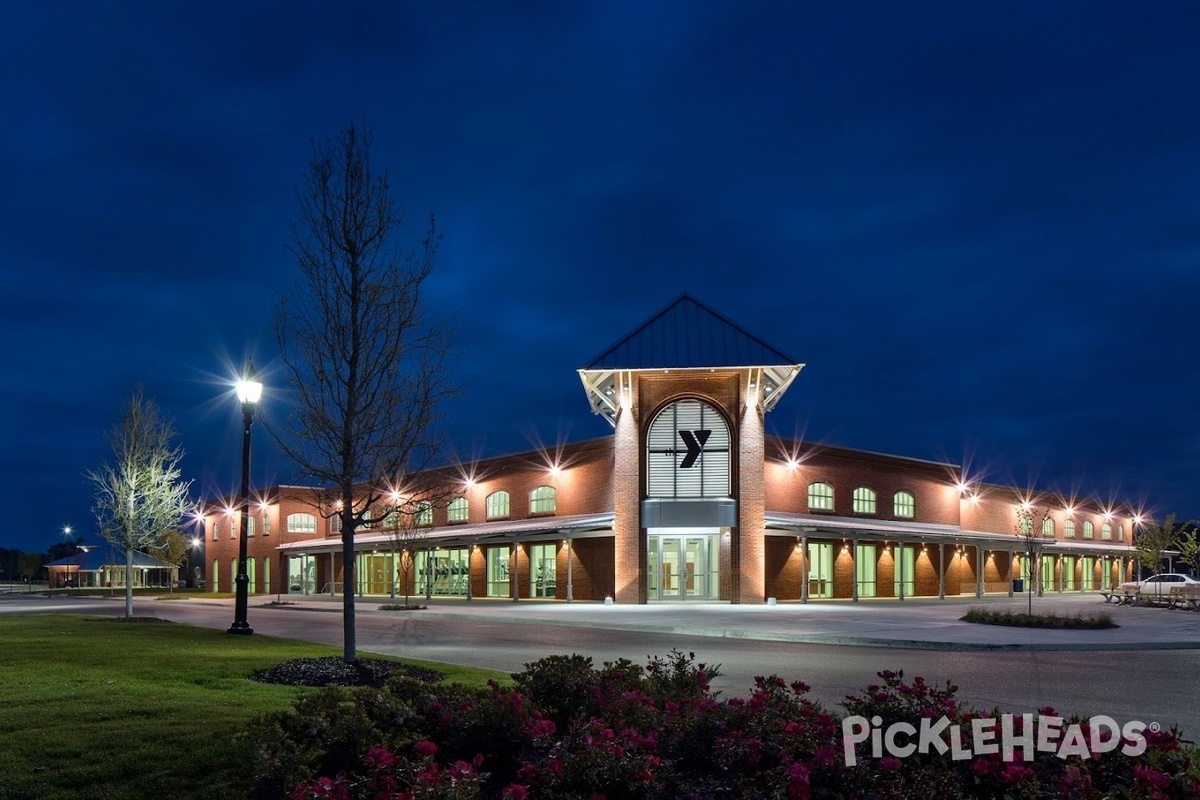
[689, 499]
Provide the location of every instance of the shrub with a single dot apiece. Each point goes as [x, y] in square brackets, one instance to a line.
[1019, 619]
[569, 730]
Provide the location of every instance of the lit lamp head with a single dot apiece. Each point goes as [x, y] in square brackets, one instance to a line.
[249, 388]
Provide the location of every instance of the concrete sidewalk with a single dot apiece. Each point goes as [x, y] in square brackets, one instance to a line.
[927, 624]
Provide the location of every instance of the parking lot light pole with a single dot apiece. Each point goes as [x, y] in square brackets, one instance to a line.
[249, 390]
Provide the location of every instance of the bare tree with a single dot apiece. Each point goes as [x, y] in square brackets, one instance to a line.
[139, 496]
[28, 565]
[172, 549]
[405, 530]
[367, 367]
[1033, 543]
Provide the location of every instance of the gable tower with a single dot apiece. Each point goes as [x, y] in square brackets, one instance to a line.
[686, 393]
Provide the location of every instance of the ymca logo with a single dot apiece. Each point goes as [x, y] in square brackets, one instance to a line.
[694, 442]
[693, 447]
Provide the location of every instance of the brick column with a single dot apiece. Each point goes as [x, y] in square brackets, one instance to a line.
[749, 543]
[629, 556]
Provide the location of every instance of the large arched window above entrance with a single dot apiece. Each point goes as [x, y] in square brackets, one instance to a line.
[687, 452]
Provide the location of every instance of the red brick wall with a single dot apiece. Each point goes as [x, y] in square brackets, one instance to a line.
[784, 567]
[749, 578]
[593, 570]
[786, 488]
[925, 572]
[629, 545]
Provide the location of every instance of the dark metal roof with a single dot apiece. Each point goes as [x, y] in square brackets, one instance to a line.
[688, 334]
[97, 557]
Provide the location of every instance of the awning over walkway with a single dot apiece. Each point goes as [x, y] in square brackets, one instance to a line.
[819, 526]
[536, 529]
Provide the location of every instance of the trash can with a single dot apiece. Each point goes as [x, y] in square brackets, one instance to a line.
[1019, 585]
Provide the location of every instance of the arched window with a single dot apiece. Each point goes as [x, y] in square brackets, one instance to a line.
[424, 514]
[820, 497]
[215, 527]
[249, 525]
[1025, 523]
[457, 512]
[864, 500]
[1069, 529]
[1089, 530]
[266, 524]
[688, 452]
[904, 505]
[1121, 533]
[1048, 527]
[497, 505]
[542, 500]
[1106, 530]
[266, 572]
[301, 523]
[216, 572]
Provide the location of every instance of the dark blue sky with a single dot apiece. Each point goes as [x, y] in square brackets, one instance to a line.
[978, 224]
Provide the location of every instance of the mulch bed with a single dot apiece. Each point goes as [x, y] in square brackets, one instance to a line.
[333, 671]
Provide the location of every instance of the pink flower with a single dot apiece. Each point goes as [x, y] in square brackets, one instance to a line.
[825, 754]
[425, 748]
[1015, 773]
[380, 758]
[1151, 776]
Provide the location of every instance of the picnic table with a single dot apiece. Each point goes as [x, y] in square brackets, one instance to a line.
[1120, 596]
[1185, 597]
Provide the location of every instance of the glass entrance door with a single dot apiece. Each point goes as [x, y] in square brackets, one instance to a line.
[682, 567]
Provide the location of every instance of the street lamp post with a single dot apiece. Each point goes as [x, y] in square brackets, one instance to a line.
[249, 390]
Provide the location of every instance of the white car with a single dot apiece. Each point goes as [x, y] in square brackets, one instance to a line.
[1161, 584]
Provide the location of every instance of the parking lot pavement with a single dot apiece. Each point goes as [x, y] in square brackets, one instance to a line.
[920, 624]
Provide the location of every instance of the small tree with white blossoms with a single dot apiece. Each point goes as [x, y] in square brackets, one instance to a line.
[139, 495]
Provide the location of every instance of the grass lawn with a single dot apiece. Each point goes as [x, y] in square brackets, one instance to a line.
[94, 707]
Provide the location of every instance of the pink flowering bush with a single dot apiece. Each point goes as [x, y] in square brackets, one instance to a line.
[567, 729]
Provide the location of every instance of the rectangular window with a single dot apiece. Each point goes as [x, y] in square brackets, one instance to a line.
[905, 566]
[905, 505]
[864, 569]
[1049, 580]
[1068, 573]
[543, 570]
[266, 524]
[820, 570]
[1069, 529]
[497, 572]
[1106, 531]
[1087, 575]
